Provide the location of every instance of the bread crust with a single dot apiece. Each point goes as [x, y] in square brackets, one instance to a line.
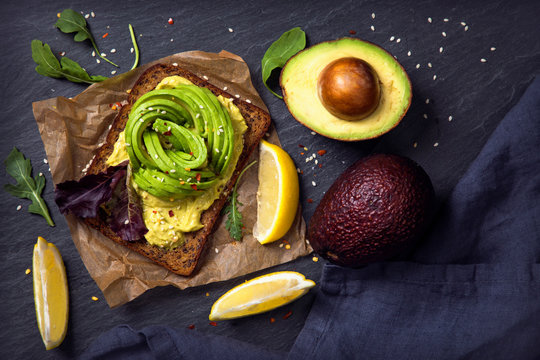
[182, 260]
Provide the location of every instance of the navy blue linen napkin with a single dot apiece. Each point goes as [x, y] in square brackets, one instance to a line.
[470, 291]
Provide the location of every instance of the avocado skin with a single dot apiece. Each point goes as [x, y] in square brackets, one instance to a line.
[377, 209]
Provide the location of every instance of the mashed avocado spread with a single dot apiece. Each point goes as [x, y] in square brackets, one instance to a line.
[183, 144]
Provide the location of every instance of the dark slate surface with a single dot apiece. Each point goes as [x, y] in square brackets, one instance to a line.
[475, 94]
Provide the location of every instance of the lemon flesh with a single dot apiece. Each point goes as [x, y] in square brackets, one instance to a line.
[277, 195]
[50, 293]
[260, 294]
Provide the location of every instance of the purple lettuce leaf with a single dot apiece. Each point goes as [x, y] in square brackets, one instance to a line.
[84, 197]
[126, 218]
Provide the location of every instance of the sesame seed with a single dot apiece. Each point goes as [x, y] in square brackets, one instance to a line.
[425, 116]
[415, 144]
[94, 298]
[45, 161]
[231, 30]
[441, 49]
[40, 174]
[113, 72]
[205, 77]
[113, 51]
[93, 14]
[172, 40]
[409, 53]
[281, 245]
[63, 53]
[418, 66]
[216, 250]
[313, 133]
[427, 101]
[197, 116]
[164, 112]
[156, 156]
[436, 144]
[493, 49]
[172, 171]
[445, 20]
[19, 207]
[392, 38]
[217, 150]
[373, 15]
[174, 64]
[126, 222]
[202, 107]
[237, 96]
[450, 118]
[162, 222]
[466, 28]
[27, 271]
[463, 24]
[429, 64]
[443, 34]
[434, 77]
[171, 227]
[103, 54]
[313, 183]
[248, 101]
[86, 16]
[483, 60]
[128, 144]
[429, 20]
[93, 53]
[372, 28]
[298, 170]
[398, 40]
[98, 61]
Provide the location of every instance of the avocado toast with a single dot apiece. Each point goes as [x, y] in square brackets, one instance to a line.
[183, 259]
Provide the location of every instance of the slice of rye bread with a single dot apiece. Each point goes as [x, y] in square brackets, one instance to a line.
[182, 260]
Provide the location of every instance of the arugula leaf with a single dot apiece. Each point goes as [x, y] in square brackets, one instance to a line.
[27, 187]
[234, 222]
[281, 50]
[71, 21]
[48, 65]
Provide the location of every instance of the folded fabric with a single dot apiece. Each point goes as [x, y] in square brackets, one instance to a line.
[471, 289]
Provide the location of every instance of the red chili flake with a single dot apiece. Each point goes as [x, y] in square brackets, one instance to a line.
[154, 211]
[110, 105]
[171, 214]
[191, 153]
[105, 35]
[301, 146]
[320, 166]
[310, 200]
[165, 123]
[167, 133]
[301, 172]
[170, 21]
[194, 186]
[118, 104]
[213, 323]
[166, 172]
[301, 153]
[198, 177]
[287, 315]
[321, 152]
[191, 327]
[352, 32]
[272, 320]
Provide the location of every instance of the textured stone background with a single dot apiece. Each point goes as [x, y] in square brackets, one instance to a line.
[476, 94]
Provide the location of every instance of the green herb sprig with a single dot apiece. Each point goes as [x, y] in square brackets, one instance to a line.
[234, 222]
[281, 50]
[27, 187]
[135, 47]
[48, 65]
[71, 21]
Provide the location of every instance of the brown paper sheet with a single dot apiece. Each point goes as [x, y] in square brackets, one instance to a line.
[72, 129]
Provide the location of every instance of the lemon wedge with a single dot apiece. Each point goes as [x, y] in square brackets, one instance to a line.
[50, 293]
[277, 196]
[260, 294]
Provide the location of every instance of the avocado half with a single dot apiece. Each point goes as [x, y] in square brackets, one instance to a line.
[390, 90]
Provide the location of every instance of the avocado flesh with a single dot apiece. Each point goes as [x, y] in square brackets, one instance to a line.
[179, 139]
[376, 210]
[299, 80]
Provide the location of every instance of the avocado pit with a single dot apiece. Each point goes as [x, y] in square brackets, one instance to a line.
[349, 88]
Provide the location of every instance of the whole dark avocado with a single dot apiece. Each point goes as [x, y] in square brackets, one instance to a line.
[377, 209]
